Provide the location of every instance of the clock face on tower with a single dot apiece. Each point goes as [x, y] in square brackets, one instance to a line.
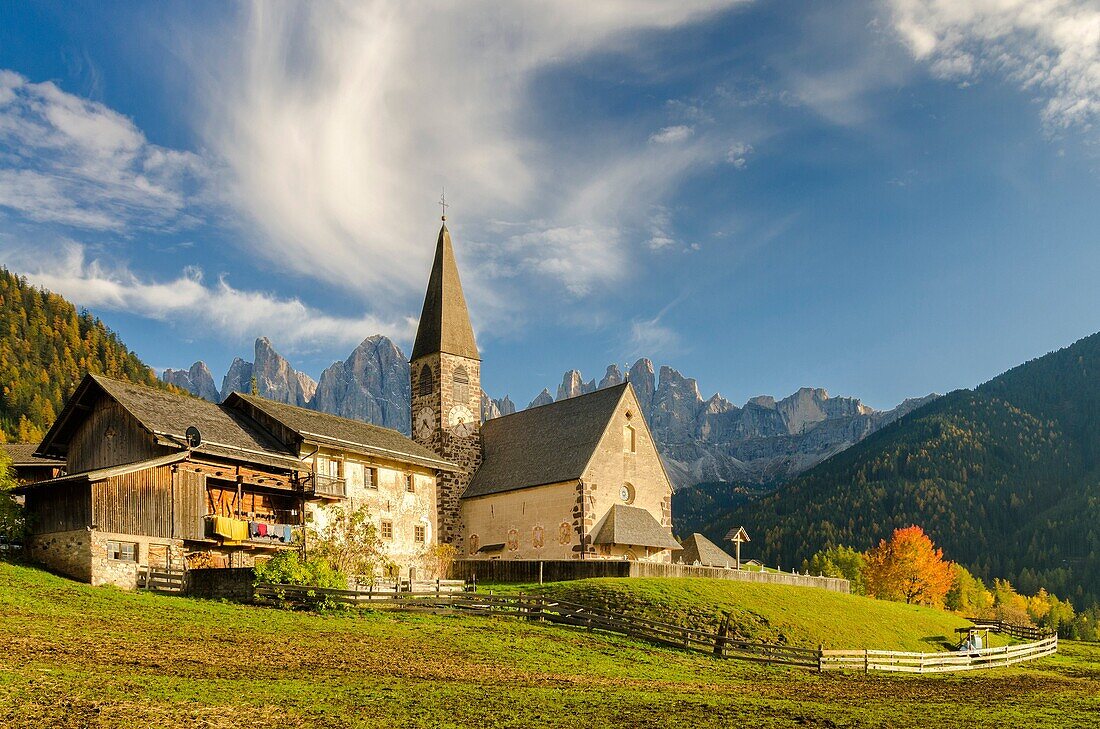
[425, 423]
[461, 421]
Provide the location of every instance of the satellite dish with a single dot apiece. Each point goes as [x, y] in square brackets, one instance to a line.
[194, 438]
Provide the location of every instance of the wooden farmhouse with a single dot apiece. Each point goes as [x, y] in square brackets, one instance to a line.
[138, 493]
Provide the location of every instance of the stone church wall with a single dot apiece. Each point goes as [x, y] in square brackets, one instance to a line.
[613, 466]
[533, 523]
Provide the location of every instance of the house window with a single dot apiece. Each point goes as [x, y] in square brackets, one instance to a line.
[461, 379]
[425, 385]
[387, 529]
[419, 534]
[370, 477]
[630, 439]
[122, 551]
[410, 485]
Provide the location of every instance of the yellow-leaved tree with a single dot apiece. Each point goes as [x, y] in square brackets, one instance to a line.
[909, 568]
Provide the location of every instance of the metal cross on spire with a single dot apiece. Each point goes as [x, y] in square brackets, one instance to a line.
[443, 203]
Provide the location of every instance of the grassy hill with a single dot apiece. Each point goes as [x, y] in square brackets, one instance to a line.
[76, 656]
[803, 617]
[1006, 477]
[46, 346]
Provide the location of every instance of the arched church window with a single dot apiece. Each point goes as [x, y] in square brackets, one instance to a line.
[425, 385]
[461, 381]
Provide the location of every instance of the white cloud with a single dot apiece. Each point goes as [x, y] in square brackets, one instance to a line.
[341, 121]
[1048, 47]
[671, 135]
[67, 160]
[189, 304]
[738, 155]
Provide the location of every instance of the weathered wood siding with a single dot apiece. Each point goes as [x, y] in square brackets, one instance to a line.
[135, 503]
[110, 436]
[62, 508]
[189, 504]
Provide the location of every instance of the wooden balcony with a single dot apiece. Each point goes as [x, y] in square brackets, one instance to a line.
[327, 487]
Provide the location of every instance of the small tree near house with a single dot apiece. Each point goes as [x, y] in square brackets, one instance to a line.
[348, 541]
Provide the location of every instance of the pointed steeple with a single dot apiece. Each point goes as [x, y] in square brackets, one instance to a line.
[445, 322]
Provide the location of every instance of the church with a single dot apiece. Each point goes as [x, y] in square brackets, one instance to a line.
[575, 479]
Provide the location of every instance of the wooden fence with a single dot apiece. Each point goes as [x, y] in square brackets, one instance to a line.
[163, 580]
[869, 660]
[1024, 632]
[558, 570]
[705, 640]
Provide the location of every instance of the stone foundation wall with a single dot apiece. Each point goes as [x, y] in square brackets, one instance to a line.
[69, 553]
[221, 584]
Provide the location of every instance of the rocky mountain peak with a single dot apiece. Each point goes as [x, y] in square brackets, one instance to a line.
[372, 384]
[543, 398]
[572, 384]
[198, 380]
[611, 377]
[277, 380]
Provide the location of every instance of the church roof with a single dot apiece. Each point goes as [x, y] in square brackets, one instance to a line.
[444, 322]
[698, 548]
[631, 525]
[353, 435]
[543, 445]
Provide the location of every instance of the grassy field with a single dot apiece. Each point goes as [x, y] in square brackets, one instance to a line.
[75, 656]
[773, 613]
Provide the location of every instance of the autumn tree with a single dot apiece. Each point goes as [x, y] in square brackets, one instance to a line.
[908, 568]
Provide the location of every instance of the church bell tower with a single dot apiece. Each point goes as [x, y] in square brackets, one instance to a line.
[445, 369]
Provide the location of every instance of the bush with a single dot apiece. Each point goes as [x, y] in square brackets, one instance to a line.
[288, 568]
[13, 524]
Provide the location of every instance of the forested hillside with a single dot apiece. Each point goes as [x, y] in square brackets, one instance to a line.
[1005, 477]
[46, 346]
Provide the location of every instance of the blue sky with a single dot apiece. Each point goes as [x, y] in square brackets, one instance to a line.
[880, 198]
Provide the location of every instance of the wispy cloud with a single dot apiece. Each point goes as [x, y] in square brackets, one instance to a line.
[77, 163]
[671, 135]
[341, 121]
[1048, 47]
[192, 305]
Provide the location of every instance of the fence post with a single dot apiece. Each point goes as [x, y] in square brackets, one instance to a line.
[820, 657]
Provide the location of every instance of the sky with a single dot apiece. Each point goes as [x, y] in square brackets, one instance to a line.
[882, 198]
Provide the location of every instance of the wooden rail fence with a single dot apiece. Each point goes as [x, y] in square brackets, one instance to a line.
[714, 642]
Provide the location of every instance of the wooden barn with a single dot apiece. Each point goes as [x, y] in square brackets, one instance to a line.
[140, 493]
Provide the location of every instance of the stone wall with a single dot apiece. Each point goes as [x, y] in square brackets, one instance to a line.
[154, 551]
[221, 584]
[69, 553]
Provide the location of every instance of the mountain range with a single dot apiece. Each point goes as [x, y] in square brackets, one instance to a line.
[761, 442]
[1005, 477]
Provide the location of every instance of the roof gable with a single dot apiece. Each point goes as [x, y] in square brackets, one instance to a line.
[444, 321]
[698, 548]
[352, 435]
[634, 526]
[166, 416]
[543, 445]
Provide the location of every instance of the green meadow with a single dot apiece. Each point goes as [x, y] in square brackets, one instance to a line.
[76, 656]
